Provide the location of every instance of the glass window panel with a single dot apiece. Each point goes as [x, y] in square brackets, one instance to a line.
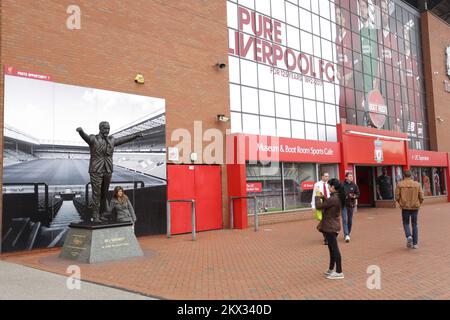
[236, 122]
[322, 133]
[298, 178]
[439, 182]
[325, 28]
[234, 69]
[305, 4]
[235, 97]
[248, 73]
[384, 183]
[232, 19]
[283, 128]
[311, 131]
[282, 106]
[427, 184]
[296, 108]
[316, 24]
[330, 114]
[250, 124]
[265, 77]
[278, 10]
[263, 6]
[307, 42]
[331, 134]
[247, 3]
[305, 20]
[298, 129]
[296, 87]
[268, 126]
[310, 110]
[249, 100]
[281, 84]
[268, 177]
[292, 14]
[320, 112]
[266, 103]
[293, 37]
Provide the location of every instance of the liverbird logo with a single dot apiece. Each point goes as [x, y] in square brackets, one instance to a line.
[379, 151]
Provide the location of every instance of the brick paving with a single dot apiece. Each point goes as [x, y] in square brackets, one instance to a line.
[281, 261]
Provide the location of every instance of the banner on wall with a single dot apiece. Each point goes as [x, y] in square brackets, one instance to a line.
[46, 184]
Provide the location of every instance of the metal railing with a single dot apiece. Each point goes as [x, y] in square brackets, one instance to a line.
[36, 192]
[192, 202]
[135, 183]
[232, 211]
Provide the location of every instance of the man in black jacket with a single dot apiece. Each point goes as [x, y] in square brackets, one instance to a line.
[101, 165]
[351, 195]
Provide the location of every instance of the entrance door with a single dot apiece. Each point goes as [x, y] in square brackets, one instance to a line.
[364, 180]
[201, 183]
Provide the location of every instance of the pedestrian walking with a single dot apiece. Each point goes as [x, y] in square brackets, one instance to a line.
[351, 195]
[409, 196]
[331, 225]
[322, 186]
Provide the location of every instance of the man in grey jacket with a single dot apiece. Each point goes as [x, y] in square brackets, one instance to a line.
[101, 165]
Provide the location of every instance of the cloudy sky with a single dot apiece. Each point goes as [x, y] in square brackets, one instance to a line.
[52, 111]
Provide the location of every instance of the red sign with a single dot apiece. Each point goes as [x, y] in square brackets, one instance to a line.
[11, 71]
[275, 149]
[360, 148]
[419, 158]
[307, 185]
[377, 109]
[254, 187]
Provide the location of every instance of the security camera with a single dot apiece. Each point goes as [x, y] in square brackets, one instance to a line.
[139, 79]
[221, 66]
[222, 118]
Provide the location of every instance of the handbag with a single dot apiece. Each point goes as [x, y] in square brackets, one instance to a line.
[318, 215]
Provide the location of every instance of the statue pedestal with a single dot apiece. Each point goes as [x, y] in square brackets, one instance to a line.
[94, 243]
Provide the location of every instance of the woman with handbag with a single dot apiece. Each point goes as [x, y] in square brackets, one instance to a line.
[330, 225]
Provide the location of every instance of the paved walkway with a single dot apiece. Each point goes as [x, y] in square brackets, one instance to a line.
[23, 283]
[282, 261]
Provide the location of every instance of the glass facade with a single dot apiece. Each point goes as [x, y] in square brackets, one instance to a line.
[299, 67]
[284, 186]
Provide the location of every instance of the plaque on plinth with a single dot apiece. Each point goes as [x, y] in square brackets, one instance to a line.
[94, 243]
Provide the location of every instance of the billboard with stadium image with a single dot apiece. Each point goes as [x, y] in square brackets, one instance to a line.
[46, 184]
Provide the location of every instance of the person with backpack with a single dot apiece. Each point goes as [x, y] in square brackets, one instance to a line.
[351, 195]
[330, 225]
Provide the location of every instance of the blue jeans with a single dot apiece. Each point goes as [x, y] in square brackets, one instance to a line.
[347, 219]
[408, 215]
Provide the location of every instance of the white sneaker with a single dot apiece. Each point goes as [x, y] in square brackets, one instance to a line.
[347, 239]
[409, 242]
[415, 246]
[328, 272]
[336, 276]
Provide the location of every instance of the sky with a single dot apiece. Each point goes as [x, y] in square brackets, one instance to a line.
[51, 112]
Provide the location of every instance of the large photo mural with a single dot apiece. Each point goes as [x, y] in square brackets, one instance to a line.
[46, 181]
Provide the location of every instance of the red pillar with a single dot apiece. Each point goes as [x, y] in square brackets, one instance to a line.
[237, 182]
[447, 173]
[343, 165]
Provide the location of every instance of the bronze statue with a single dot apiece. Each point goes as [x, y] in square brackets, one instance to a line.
[101, 165]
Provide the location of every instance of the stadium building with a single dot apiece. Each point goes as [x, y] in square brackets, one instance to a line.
[261, 97]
